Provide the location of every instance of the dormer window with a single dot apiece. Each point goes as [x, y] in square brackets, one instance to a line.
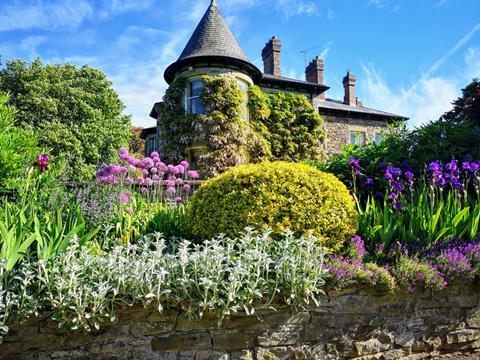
[193, 102]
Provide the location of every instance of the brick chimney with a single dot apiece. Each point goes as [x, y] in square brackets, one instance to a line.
[314, 73]
[349, 87]
[271, 57]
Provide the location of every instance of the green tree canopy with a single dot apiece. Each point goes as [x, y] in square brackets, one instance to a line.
[74, 111]
[467, 107]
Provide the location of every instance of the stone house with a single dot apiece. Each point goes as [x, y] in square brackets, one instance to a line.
[213, 50]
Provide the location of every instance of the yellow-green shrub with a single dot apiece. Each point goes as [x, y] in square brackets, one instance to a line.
[277, 195]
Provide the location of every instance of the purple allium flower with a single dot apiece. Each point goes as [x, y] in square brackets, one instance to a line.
[123, 197]
[192, 174]
[148, 182]
[139, 181]
[144, 190]
[155, 177]
[186, 187]
[145, 172]
[153, 170]
[171, 190]
[179, 181]
[155, 154]
[185, 164]
[178, 199]
[122, 152]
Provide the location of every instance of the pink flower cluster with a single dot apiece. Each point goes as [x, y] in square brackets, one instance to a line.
[150, 174]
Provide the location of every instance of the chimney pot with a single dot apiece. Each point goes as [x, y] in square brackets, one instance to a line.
[349, 88]
[271, 57]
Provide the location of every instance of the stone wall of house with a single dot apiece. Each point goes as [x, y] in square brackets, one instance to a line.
[338, 131]
[350, 324]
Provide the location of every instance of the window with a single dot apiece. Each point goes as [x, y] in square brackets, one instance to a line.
[193, 103]
[357, 137]
[244, 89]
[378, 138]
[152, 145]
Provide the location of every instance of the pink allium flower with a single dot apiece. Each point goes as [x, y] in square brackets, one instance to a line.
[122, 152]
[160, 165]
[171, 189]
[155, 159]
[178, 199]
[185, 164]
[155, 177]
[148, 182]
[145, 172]
[178, 181]
[153, 170]
[129, 210]
[193, 174]
[129, 181]
[172, 169]
[139, 181]
[144, 190]
[169, 183]
[154, 154]
[123, 170]
[186, 187]
[147, 163]
[180, 169]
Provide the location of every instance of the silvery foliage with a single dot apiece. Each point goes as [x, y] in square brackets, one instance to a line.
[81, 289]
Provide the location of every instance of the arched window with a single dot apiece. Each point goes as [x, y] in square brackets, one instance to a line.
[193, 103]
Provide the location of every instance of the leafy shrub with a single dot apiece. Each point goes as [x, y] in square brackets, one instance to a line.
[223, 276]
[18, 148]
[277, 195]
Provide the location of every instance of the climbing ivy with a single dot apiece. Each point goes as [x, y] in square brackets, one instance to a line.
[281, 127]
[228, 139]
[289, 122]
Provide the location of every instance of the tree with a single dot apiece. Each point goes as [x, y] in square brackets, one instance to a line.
[18, 148]
[467, 107]
[74, 111]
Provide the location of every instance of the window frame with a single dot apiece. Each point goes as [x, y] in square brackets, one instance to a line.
[189, 98]
[356, 134]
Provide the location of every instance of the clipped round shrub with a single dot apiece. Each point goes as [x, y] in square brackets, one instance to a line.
[277, 195]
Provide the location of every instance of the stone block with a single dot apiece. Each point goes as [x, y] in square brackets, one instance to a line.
[462, 336]
[233, 340]
[371, 346]
[197, 341]
[283, 335]
[211, 355]
[241, 355]
[146, 328]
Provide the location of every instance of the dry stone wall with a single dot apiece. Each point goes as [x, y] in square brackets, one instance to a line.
[350, 324]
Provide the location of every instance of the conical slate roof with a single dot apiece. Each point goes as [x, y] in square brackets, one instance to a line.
[212, 39]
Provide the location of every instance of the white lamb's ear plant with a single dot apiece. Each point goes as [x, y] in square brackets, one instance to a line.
[83, 288]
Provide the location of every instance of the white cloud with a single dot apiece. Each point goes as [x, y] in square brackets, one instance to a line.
[289, 8]
[44, 15]
[431, 96]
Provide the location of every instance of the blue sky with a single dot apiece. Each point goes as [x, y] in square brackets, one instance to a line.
[410, 57]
